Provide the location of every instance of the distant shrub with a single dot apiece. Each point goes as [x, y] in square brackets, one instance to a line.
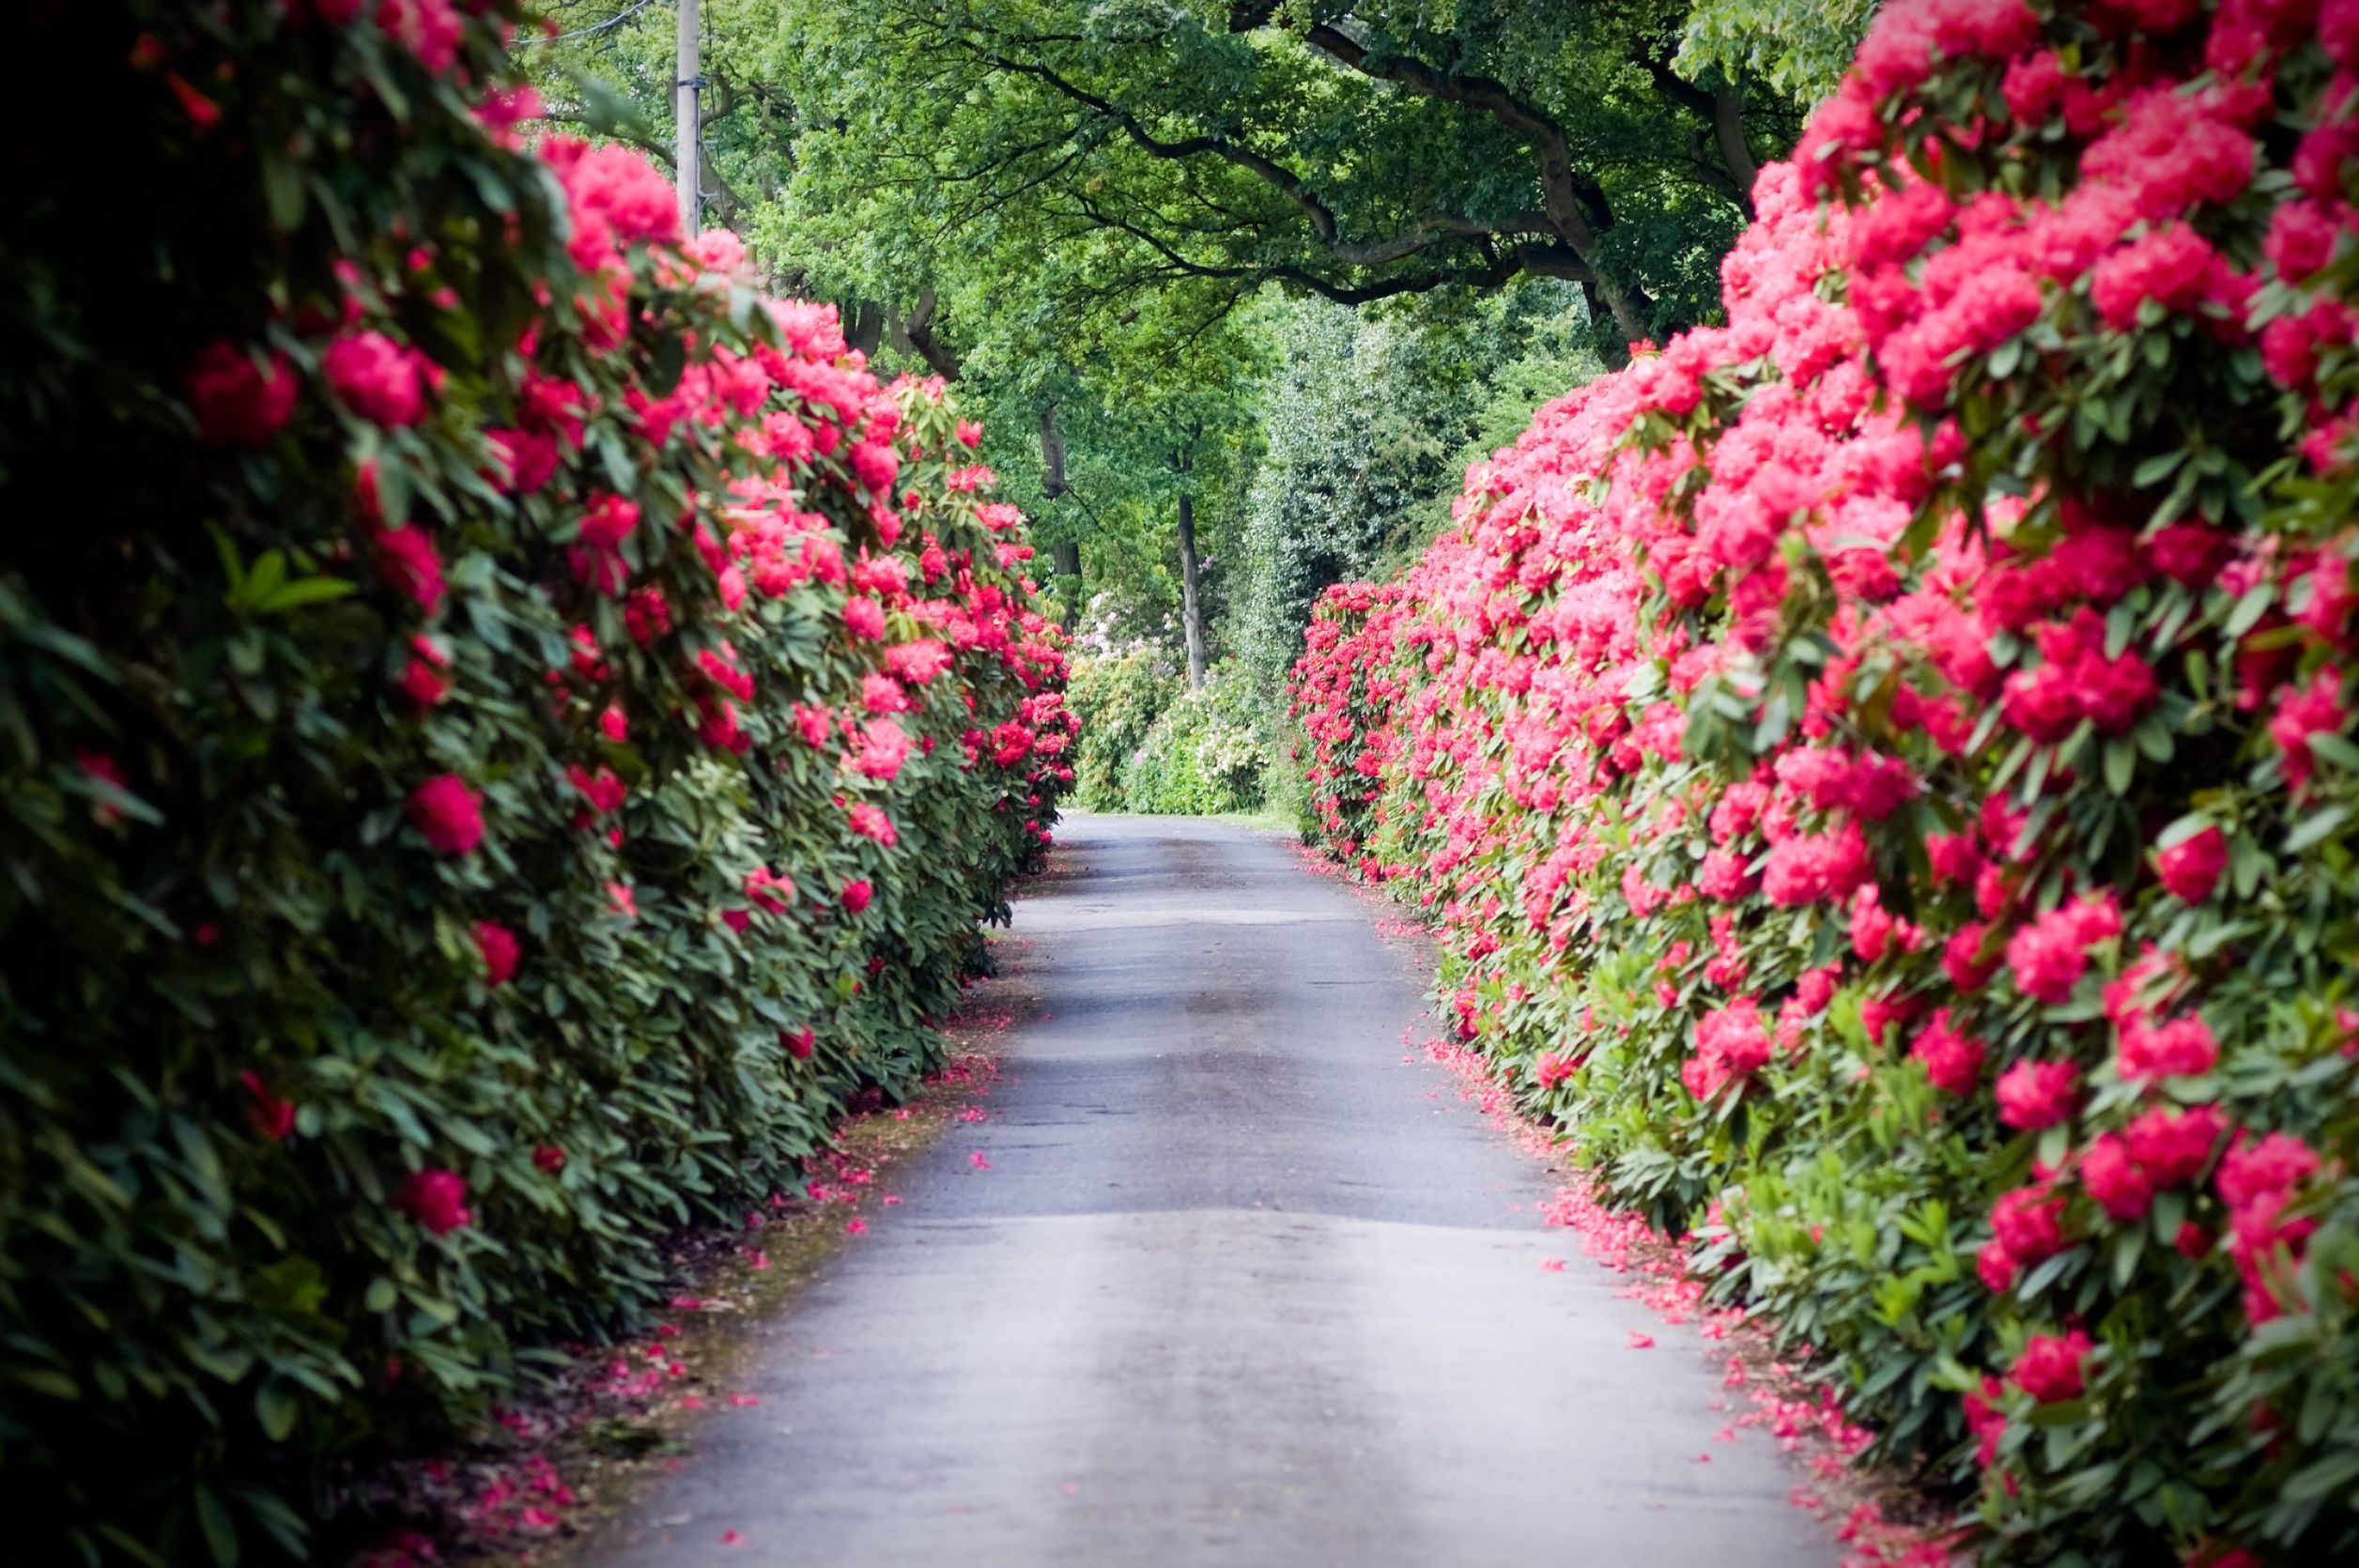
[1116, 700]
[1205, 754]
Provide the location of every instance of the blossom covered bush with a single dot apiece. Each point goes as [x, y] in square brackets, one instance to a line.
[505, 732]
[1882, 770]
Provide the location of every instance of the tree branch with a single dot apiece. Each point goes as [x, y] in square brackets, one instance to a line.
[919, 329]
[1569, 207]
[1419, 237]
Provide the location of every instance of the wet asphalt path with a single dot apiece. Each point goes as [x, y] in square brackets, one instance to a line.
[1239, 1287]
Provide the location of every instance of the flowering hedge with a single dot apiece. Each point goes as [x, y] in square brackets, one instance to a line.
[1882, 768]
[504, 731]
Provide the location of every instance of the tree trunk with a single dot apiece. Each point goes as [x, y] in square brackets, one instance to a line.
[1728, 125]
[1052, 454]
[917, 332]
[1067, 561]
[1191, 607]
[866, 326]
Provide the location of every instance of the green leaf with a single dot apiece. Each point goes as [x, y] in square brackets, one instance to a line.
[2322, 1478]
[220, 1531]
[2250, 608]
[2120, 765]
[2315, 827]
[282, 188]
[276, 1407]
[2337, 749]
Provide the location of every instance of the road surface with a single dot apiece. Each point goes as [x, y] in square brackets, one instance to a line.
[1239, 1287]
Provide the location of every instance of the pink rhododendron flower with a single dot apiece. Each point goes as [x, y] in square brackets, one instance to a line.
[1962, 959]
[1952, 1059]
[271, 1118]
[500, 949]
[2035, 1095]
[917, 662]
[864, 618]
[2029, 1223]
[868, 821]
[379, 379]
[2050, 1369]
[2048, 956]
[436, 1199]
[1731, 1045]
[884, 747]
[2182, 1048]
[2173, 1147]
[447, 814]
[2313, 710]
[237, 403]
[768, 891]
[858, 894]
[1814, 870]
[2190, 868]
[549, 1158]
[2113, 1177]
[407, 561]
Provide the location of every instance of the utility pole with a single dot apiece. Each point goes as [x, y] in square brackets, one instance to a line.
[684, 111]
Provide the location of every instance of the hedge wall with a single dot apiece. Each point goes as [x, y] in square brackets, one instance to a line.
[503, 730]
[1884, 773]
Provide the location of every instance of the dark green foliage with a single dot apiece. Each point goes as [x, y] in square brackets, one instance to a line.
[249, 1032]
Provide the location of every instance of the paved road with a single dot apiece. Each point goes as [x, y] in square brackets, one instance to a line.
[1239, 1288]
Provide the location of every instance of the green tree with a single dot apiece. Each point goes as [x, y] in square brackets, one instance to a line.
[1358, 152]
[1799, 47]
[1370, 423]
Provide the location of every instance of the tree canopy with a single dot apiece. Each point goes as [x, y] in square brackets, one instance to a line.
[1358, 152]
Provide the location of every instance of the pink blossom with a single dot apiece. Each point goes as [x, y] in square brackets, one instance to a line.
[856, 895]
[2303, 711]
[379, 379]
[2182, 1048]
[1962, 959]
[2029, 1223]
[436, 1199]
[1817, 868]
[500, 949]
[2050, 1369]
[2113, 1177]
[236, 402]
[2173, 1147]
[1731, 1045]
[2169, 265]
[2048, 956]
[2034, 1095]
[1951, 1059]
[407, 561]
[271, 1118]
[2190, 868]
[447, 814]
[864, 617]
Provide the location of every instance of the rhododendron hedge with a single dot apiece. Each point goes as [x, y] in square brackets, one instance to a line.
[1882, 768]
[507, 732]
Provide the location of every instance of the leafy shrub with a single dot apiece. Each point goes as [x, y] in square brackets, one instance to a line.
[503, 732]
[1884, 768]
[1116, 700]
[1204, 754]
